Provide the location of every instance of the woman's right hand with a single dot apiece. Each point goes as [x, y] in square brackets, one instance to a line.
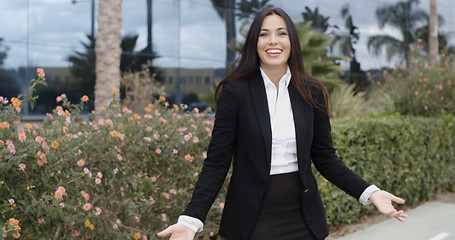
[178, 232]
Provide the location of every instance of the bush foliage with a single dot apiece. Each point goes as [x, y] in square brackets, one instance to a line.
[129, 175]
[425, 87]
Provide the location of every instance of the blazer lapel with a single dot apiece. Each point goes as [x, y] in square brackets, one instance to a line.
[300, 110]
[261, 107]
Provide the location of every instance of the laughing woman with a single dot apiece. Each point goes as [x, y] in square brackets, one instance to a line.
[271, 122]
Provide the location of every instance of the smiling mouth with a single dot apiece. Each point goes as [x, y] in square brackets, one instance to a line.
[274, 51]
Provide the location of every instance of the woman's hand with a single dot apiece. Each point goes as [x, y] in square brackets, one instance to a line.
[383, 202]
[178, 232]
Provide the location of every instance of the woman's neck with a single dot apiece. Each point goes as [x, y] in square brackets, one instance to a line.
[274, 73]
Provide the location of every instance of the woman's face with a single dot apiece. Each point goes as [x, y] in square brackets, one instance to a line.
[274, 46]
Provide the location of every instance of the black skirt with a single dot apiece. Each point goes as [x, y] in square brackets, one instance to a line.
[280, 216]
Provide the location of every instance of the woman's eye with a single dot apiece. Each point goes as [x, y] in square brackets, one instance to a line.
[282, 33]
[263, 34]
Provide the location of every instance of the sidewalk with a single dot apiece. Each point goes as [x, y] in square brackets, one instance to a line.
[434, 220]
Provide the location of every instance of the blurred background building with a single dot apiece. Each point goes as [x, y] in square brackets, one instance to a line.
[187, 45]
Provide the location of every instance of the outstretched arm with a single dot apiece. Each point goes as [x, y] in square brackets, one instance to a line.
[383, 202]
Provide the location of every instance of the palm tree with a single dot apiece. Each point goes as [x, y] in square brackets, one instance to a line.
[249, 8]
[433, 38]
[108, 52]
[225, 10]
[405, 17]
[346, 41]
[318, 22]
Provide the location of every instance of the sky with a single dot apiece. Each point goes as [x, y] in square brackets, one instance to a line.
[186, 33]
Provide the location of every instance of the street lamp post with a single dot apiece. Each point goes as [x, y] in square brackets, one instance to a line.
[92, 16]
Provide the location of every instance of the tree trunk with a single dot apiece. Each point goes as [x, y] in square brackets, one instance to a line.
[434, 44]
[230, 32]
[108, 52]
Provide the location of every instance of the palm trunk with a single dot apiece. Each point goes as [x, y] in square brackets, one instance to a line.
[108, 52]
[434, 44]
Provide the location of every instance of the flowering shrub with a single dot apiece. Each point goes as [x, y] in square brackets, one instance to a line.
[425, 87]
[129, 175]
[123, 176]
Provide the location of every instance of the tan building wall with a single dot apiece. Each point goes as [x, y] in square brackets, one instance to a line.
[197, 81]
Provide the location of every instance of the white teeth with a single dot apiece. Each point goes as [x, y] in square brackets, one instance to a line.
[273, 51]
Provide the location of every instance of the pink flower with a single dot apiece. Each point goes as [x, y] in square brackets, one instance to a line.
[189, 158]
[86, 171]
[148, 128]
[148, 139]
[98, 181]
[10, 147]
[166, 195]
[41, 221]
[164, 217]
[21, 166]
[87, 206]
[115, 171]
[153, 179]
[156, 136]
[175, 151]
[158, 151]
[222, 205]
[115, 226]
[204, 155]
[195, 139]
[60, 193]
[119, 157]
[40, 72]
[81, 163]
[188, 136]
[22, 136]
[11, 201]
[195, 174]
[45, 146]
[98, 211]
[85, 195]
[172, 191]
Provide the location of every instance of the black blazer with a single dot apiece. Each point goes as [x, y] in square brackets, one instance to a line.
[242, 129]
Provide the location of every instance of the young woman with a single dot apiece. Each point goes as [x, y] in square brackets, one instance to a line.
[271, 121]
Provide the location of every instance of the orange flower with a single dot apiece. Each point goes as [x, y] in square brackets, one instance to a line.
[40, 72]
[115, 90]
[87, 223]
[54, 144]
[4, 125]
[137, 236]
[162, 98]
[84, 98]
[92, 226]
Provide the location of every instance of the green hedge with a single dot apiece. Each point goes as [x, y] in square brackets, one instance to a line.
[411, 157]
[127, 176]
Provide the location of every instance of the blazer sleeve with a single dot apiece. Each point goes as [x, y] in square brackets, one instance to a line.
[324, 156]
[219, 155]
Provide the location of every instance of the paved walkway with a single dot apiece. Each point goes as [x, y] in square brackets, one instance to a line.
[434, 220]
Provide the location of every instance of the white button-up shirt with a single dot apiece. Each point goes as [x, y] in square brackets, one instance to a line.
[284, 147]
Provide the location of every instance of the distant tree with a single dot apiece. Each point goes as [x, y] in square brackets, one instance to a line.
[404, 16]
[226, 11]
[318, 21]
[3, 50]
[346, 41]
[249, 8]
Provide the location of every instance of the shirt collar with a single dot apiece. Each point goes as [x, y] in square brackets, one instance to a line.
[286, 77]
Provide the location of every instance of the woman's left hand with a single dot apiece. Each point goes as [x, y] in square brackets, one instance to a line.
[383, 202]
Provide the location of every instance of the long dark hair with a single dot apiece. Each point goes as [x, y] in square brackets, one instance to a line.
[248, 61]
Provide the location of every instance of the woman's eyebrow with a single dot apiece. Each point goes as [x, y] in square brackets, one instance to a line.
[280, 28]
